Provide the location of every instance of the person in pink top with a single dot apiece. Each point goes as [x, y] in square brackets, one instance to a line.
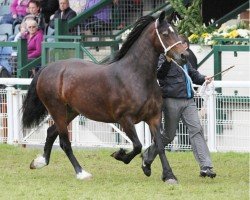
[18, 9]
[34, 38]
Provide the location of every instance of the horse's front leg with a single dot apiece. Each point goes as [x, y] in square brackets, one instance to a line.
[43, 160]
[129, 129]
[167, 173]
[159, 147]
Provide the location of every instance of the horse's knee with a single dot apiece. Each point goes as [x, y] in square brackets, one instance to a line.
[166, 140]
[137, 149]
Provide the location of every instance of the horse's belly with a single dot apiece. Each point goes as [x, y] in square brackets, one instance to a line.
[94, 110]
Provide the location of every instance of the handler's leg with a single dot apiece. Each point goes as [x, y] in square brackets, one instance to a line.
[200, 150]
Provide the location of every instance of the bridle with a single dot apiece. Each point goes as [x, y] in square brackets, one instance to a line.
[162, 44]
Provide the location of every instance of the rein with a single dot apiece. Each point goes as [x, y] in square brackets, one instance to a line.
[162, 44]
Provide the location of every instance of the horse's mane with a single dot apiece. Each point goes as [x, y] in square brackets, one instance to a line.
[133, 35]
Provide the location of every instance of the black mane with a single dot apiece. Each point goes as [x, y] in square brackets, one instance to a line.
[133, 35]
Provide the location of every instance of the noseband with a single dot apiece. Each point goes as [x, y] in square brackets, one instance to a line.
[162, 44]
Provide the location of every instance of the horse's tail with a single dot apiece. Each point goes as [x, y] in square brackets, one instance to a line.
[33, 109]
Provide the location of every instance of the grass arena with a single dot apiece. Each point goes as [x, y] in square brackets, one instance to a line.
[115, 180]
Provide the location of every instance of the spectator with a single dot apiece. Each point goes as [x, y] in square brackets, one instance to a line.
[64, 12]
[34, 10]
[34, 38]
[48, 8]
[18, 9]
[101, 16]
[98, 22]
[21, 31]
[124, 9]
[5, 68]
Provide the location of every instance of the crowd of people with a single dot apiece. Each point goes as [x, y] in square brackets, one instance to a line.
[44, 13]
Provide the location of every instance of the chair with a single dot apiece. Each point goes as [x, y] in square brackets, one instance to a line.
[16, 29]
[6, 29]
[5, 9]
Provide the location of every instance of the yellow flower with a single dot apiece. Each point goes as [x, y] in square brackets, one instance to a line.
[233, 34]
[204, 35]
[193, 37]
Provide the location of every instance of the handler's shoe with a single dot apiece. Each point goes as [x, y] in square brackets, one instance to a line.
[207, 171]
[146, 168]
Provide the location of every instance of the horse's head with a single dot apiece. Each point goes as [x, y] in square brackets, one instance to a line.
[168, 41]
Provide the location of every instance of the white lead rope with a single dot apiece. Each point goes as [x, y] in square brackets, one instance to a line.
[186, 75]
[204, 91]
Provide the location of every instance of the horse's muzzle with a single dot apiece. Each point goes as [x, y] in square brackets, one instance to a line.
[181, 59]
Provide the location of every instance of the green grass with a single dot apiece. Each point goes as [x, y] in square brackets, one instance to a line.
[115, 180]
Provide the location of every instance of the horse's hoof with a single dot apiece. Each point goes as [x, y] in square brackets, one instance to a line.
[171, 181]
[84, 175]
[38, 163]
[119, 155]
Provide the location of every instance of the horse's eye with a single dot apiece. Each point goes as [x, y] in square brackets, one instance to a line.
[165, 33]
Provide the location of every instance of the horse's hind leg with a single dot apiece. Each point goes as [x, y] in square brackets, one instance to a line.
[130, 131]
[62, 116]
[66, 146]
[43, 160]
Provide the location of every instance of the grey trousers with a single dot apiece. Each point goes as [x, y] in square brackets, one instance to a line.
[185, 109]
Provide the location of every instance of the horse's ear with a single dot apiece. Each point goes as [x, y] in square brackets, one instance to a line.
[162, 16]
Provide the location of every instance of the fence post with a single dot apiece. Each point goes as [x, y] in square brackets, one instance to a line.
[211, 117]
[10, 130]
[140, 131]
[75, 131]
[147, 137]
[17, 102]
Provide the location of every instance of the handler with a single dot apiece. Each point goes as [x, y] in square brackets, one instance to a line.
[178, 103]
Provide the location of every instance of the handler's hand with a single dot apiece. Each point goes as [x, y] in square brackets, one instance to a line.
[208, 79]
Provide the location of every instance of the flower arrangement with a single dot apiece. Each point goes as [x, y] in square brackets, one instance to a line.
[191, 25]
[234, 31]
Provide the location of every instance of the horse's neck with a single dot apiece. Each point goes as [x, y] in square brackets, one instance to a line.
[143, 55]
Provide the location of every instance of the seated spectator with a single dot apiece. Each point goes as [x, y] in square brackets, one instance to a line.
[34, 10]
[34, 38]
[100, 19]
[48, 8]
[18, 9]
[125, 10]
[22, 31]
[64, 12]
[5, 68]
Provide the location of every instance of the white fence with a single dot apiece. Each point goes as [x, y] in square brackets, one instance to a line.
[225, 118]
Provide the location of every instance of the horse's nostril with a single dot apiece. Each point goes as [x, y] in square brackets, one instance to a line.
[183, 57]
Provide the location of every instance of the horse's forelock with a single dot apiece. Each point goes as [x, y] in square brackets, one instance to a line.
[140, 25]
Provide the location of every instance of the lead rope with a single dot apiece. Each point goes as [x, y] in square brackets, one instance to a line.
[186, 75]
[205, 90]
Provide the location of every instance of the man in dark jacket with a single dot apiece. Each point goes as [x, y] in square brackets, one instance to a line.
[48, 8]
[64, 12]
[178, 103]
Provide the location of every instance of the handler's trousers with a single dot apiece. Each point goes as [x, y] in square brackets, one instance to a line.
[175, 109]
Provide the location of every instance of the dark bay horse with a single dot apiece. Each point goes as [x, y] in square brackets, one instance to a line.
[124, 91]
